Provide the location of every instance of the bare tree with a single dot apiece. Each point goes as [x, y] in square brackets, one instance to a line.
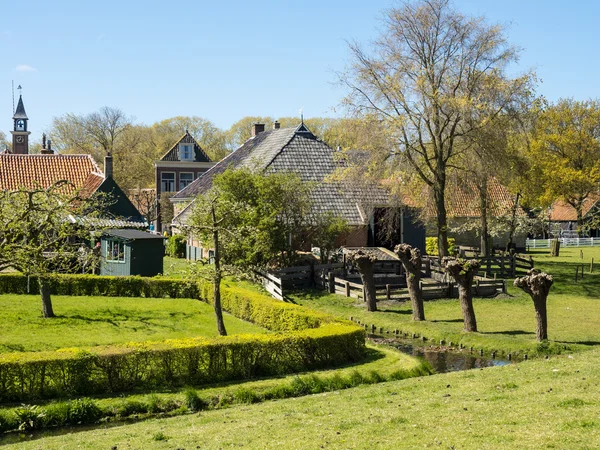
[365, 261]
[463, 271]
[537, 284]
[431, 77]
[411, 260]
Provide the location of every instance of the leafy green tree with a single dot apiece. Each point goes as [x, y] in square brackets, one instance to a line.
[40, 236]
[431, 78]
[565, 153]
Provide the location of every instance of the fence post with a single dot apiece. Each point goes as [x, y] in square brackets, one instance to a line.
[364, 294]
[513, 265]
[477, 287]
[502, 270]
[592, 266]
[331, 284]
[347, 289]
[388, 291]
[504, 286]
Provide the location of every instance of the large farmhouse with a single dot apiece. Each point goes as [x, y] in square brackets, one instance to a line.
[299, 150]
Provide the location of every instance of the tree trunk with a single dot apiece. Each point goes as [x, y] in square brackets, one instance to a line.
[541, 317]
[217, 279]
[413, 282]
[463, 271]
[442, 222]
[368, 281]
[513, 225]
[465, 296]
[411, 260]
[47, 310]
[537, 284]
[579, 210]
[483, 207]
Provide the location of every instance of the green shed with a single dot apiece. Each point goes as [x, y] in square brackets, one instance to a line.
[131, 252]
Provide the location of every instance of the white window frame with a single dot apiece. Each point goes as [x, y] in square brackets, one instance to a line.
[182, 155]
[162, 181]
[119, 255]
[188, 181]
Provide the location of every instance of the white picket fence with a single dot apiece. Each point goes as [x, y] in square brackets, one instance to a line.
[564, 242]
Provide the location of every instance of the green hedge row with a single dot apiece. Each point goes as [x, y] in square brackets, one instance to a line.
[94, 285]
[307, 341]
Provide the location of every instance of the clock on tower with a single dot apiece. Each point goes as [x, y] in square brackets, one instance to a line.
[20, 133]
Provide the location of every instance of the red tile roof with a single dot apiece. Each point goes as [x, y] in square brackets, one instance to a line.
[30, 171]
[563, 212]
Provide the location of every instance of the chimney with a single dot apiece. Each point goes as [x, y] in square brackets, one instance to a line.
[276, 125]
[46, 151]
[257, 128]
[108, 166]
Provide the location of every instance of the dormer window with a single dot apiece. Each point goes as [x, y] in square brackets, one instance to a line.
[186, 152]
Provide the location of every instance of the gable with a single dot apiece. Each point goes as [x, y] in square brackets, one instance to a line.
[120, 205]
[173, 153]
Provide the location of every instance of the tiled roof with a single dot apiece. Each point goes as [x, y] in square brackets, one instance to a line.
[561, 211]
[31, 171]
[293, 150]
[462, 200]
[173, 153]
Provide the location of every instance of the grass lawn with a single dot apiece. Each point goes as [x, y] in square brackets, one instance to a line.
[506, 323]
[537, 404]
[90, 321]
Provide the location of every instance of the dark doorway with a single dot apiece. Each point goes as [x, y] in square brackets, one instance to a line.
[392, 226]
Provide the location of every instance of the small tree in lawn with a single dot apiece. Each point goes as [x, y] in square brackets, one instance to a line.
[364, 262]
[411, 260]
[537, 284]
[463, 271]
[40, 234]
[249, 219]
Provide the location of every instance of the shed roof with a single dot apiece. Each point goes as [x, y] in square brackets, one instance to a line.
[132, 234]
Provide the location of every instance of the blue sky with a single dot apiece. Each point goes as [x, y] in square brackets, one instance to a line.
[229, 59]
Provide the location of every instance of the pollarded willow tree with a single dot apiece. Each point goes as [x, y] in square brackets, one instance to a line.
[365, 262]
[411, 260]
[537, 284]
[40, 234]
[431, 77]
[463, 271]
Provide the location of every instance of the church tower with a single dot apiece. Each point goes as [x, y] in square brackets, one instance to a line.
[20, 143]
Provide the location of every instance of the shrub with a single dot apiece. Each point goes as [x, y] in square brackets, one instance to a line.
[192, 401]
[431, 246]
[176, 246]
[312, 341]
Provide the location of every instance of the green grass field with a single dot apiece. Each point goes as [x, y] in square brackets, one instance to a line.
[543, 403]
[505, 323]
[90, 321]
[551, 403]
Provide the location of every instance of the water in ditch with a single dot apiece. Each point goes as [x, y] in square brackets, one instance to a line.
[440, 358]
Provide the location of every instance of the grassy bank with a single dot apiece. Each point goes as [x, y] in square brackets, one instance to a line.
[506, 323]
[91, 321]
[551, 403]
[380, 364]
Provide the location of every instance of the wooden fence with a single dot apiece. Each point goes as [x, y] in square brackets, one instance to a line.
[497, 266]
[431, 289]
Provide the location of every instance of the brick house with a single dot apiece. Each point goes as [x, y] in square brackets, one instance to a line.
[184, 162]
[299, 150]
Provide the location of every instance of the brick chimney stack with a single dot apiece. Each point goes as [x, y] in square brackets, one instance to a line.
[257, 128]
[276, 125]
[46, 151]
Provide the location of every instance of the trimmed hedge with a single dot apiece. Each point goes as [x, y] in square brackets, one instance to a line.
[311, 341]
[95, 285]
[431, 246]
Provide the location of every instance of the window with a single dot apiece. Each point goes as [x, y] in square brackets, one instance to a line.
[185, 178]
[186, 152]
[115, 250]
[167, 182]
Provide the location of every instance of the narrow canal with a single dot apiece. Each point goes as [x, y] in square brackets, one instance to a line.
[441, 359]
